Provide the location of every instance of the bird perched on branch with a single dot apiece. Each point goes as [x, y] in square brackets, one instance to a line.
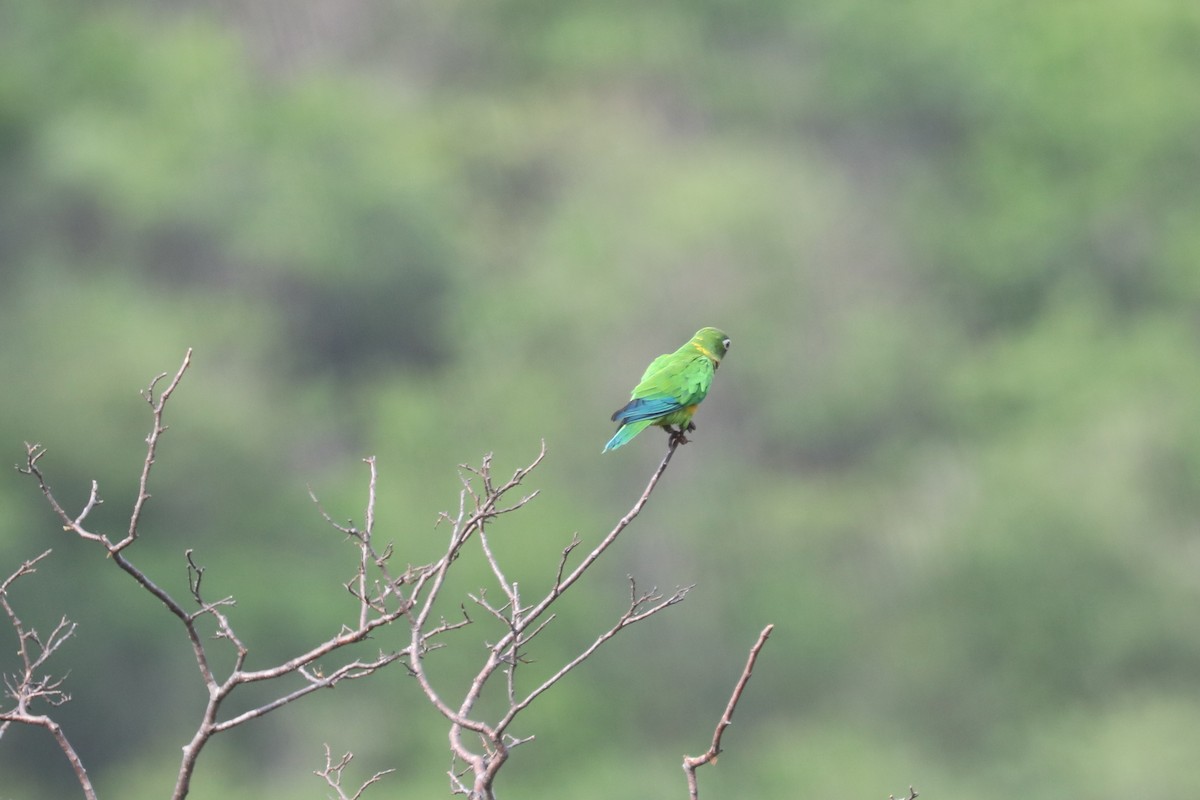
[672, 388]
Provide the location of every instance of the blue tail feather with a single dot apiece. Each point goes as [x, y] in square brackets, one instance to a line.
[625, 433]
[646, 408]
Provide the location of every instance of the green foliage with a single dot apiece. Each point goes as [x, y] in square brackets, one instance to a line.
[953, 453]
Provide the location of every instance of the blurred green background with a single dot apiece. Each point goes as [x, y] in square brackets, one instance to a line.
[954, 453]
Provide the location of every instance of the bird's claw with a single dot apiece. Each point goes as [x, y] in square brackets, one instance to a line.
[678, 437]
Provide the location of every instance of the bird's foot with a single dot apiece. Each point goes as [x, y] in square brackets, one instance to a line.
[691, 427]
[677, 437]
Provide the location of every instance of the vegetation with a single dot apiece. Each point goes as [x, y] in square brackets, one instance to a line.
[953, 453]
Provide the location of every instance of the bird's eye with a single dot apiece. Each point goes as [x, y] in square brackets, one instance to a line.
[725, 343]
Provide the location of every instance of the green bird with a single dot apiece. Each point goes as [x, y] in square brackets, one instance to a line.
[672, 388]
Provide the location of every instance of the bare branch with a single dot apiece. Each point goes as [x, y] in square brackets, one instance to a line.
[636, 612]
[379, 603]
[26, 688]
[332, 773]
[479, 502]
[690, 763]
[33, 454]
[157, 407]
[565, 583]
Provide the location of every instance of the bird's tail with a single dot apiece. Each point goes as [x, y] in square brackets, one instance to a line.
[625, 433]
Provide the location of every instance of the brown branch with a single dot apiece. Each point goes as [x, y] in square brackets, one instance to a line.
[563, 584]
[636, 612]
[157, 407]
[332, 773]
[26, 688]
[379, 603]
[690, 763]
[314, 680]
[479, 502]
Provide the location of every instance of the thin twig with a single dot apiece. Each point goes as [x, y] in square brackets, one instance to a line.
[26, 688]
[332, 773]
[157, 407]
[690, 763]
[635, 613]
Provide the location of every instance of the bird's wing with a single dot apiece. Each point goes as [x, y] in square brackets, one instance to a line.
[694, 380]
[655, 365]
[672, 383]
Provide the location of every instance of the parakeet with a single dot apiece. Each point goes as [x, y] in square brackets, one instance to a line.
[672, 388]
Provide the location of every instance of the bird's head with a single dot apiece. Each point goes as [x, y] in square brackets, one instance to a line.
[712, 342]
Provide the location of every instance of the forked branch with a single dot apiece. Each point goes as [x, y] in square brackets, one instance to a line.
[28, 687]
[332, 775]
[690, 763]
[480, 747]
[378, 605]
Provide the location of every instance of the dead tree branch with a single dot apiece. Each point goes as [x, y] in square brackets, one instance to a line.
[690, 763]
[482, 499]
[523, 622]
[377, 603]
[27, 687]
[332, 774]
